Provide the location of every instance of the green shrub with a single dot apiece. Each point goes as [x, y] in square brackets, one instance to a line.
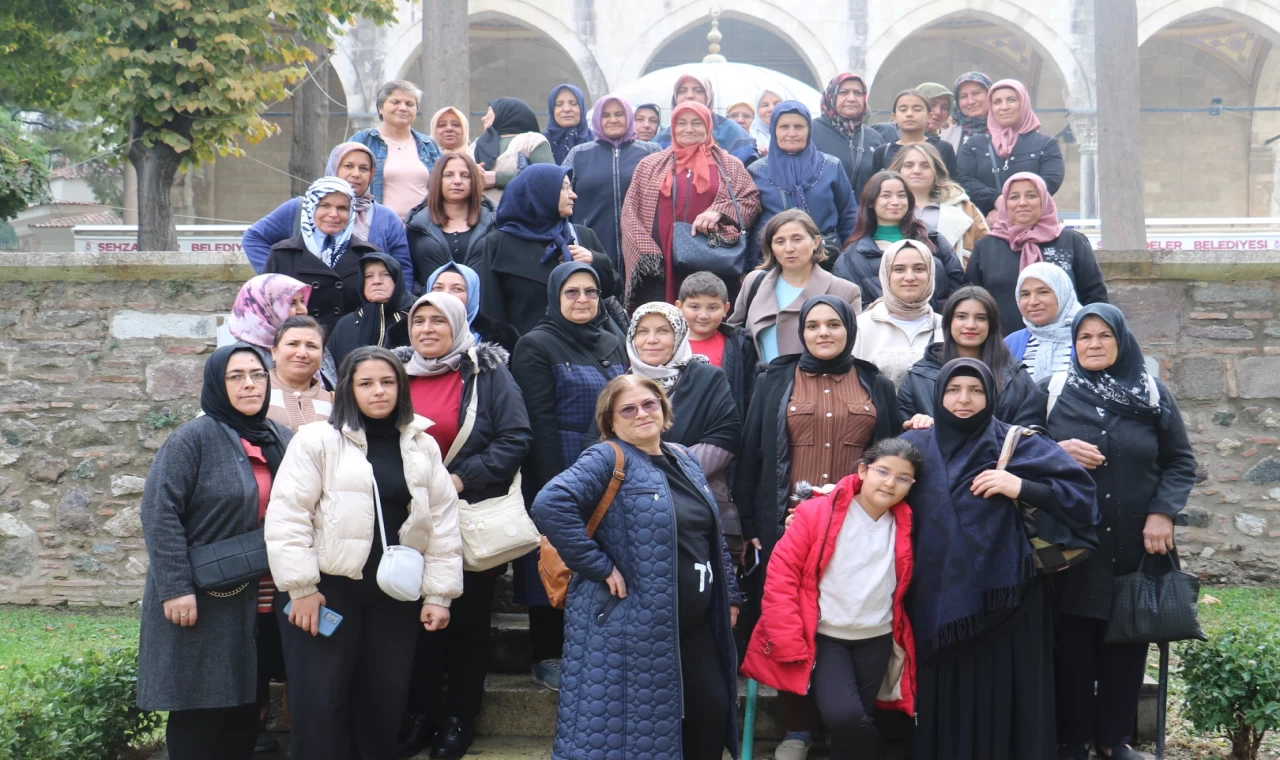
[1233, 686]
[80, 708]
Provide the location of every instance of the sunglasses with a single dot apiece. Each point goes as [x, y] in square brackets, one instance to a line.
[650, 406]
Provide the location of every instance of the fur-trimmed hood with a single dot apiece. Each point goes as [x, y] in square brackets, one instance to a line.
[489, 356]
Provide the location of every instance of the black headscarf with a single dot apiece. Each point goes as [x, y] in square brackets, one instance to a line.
[215, 403]
[364, 328]
[842, 362]
[1123, 387]
[594, 335]
[511, 116]
[954, 433]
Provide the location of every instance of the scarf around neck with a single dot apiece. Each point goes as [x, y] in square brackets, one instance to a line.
[597, 121]
[453, 310]
[1125, 388]
[215, 403]
[565, 139]
[969, 125]
[262, 305]
[327, 248]
[668, 374]
[696, 159]
[793, 172]
[896, 306]
[842, 362]
[530, 210]
[1004, 138]
[846, 127]
[362, 205]
[1054, 340]
[1027, 240]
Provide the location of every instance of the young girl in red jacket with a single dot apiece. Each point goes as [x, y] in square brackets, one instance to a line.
[832, 617]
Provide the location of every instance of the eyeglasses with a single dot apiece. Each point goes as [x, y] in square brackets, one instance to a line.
[238, 378]
[901, 480]
[650, 406]
[574, 294]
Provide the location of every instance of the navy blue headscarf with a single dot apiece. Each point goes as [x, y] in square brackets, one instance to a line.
[530, 210]
[1124, 388]
[565, 139]
[793, 172]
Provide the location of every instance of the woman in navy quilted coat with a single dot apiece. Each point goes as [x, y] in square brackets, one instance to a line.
[649, 661]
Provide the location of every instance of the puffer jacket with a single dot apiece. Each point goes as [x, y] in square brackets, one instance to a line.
[620, 684]
[321, 516]
[782, 650]
[886, 345]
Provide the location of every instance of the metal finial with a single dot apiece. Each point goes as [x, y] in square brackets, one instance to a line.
[713, 38]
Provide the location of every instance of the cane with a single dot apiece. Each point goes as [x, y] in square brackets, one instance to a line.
[749, 720]
[1161, 705]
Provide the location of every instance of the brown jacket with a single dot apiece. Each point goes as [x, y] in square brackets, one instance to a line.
[764, 310]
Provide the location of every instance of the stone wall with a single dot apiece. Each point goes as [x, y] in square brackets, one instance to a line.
[101, 357]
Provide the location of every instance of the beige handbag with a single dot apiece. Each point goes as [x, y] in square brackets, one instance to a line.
[497, 530]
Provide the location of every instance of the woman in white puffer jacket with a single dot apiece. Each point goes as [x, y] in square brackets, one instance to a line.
[325, 545]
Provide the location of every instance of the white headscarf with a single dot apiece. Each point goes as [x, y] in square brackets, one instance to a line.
[453, 310]
[1054, 340]
[759, 130]
[668, 374]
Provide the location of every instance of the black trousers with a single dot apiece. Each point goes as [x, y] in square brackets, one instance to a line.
[1097, 683]
[546, 630]
[224, 733]
[450, 665]
[270, 656]
[347, 692]
[846, 678]
[707, 703]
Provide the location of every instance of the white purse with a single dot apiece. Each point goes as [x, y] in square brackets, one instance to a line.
[400, 571]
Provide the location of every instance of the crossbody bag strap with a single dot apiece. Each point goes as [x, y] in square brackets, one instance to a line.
[377, 508]
[737, 210]
[468, 420]
[615, 482]
[1010, 443]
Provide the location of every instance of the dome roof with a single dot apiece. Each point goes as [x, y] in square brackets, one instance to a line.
[732, 82]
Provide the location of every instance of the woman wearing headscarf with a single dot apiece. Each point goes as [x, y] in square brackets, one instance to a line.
[648, 122]
[981, 614]
[940, 203]
[741, 113]
[533, 236]
[759, 128]
[1026, 230]
[404, 156]
[812, 416]
[895, 330]
[601, 172]
[510, 142]
[731, 138]
[452, 220]
[462, 282]
[448, 371]
[687, 182]
[567, 125]
[970, 111]
[375, 223]
[1014, 145]
[561, 365]
[261, 306]
[796, 174]
[381, 319]
[325, 252]
[1109, 411]
[1048, 305]
[209, 482]
[841, 129]
[450, 129]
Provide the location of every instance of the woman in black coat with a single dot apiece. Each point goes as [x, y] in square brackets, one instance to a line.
[971, 329]
[842, 131]
[380, 320]
[203, 488]
[532, 238]
[452, 221]
[1013, 144]
[1124, 427]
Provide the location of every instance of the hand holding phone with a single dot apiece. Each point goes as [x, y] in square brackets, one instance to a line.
[323, 620]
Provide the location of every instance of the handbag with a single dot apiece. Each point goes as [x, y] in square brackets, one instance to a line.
[708, 253]
[1051, 542]
[494, 531]
[400, 570]
[555, 574]
[227, 567]
[1147, 608]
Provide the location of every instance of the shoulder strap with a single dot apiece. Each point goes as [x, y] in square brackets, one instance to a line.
[469, 421]
[755, 288]
[1011, 443]
[732, 196]
[619, 462]
[1056, 384]
[377, 507]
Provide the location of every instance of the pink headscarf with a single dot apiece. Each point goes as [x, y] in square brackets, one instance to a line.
[1027, 239]
[262, 305]
[1003, 138]
[597, 120]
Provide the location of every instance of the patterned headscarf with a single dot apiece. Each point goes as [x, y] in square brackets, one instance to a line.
[846, 127]
[898, 307]
[1125, 387]
[362, 206]
[565, 139]
[1056, 338]
[327, 248]
[970, 125]
[665, 375]
[453, 310]
[262, 305]
[597, 120]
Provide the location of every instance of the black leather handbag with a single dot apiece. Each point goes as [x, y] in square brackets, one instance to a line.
[1159, 608]
[227, 567]
[709, 253]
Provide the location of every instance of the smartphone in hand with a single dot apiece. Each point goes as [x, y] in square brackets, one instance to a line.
[329, 620]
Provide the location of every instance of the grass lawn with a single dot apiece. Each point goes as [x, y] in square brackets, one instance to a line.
[38, 636]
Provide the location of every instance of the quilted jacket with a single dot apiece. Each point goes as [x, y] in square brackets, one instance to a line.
[782, 651]
[620, 687]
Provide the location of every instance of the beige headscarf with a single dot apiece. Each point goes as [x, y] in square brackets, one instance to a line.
[466, 128]
[898, 307]
[454, 311]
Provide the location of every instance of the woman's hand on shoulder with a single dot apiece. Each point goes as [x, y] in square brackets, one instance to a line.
[181, 610]
[1088, 455]
[997, 483]
[434, 617]
[918, 422]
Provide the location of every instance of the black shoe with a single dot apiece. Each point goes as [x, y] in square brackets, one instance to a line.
[453, 741]
[1073, 752]
[415, 735]
[266, 742]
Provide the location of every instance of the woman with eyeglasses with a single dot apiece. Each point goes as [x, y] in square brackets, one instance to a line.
[561, 365]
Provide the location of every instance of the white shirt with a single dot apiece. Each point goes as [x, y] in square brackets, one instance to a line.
[855, 596]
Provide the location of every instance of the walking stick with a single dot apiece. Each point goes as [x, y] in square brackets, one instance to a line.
[749, 720]
[1163, 697]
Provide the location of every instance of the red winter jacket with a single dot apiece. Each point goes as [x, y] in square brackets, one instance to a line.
[781, 653]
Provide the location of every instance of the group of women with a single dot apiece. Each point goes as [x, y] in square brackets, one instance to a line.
[798, 438]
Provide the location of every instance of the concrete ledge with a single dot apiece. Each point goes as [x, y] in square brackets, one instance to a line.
[1208, 266]
[123, 267]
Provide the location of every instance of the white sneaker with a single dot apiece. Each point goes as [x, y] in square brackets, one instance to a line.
[791, 749]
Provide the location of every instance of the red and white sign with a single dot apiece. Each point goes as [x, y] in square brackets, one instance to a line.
[1235, 234]
[191, 238]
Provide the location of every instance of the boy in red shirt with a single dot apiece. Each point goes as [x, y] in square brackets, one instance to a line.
[704, 301]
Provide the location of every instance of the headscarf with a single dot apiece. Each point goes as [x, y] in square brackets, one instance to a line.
[969, 125]
[1122, 388]
[376, 324]
[793, 172]
[1027, 240]
[597, 121]
[472, 280]
[462, 118]
[665, 375]
[651, 107]
[759, 130]
[262, 305]
[896, 306]
[587, 335]
[954, 432]
[694, 158]
[842, 362]
[327, 248]
[564, 139]
[511, 116]
[846, 127]
[1055, 339]
[1004, 138]
[453, 310]
[530, 210]
[361, 205]
[216, 403]
[706, 85]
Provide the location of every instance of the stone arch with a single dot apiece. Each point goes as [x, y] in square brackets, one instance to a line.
[1251, 13]
[1079, 94]
[774, 18]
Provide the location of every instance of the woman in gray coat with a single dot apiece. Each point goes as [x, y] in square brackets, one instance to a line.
[198, 655]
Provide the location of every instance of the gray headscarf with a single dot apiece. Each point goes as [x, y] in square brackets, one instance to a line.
[456, 313]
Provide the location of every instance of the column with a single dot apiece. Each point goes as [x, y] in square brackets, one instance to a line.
[1115, 52]
[446, 56]
[1085, 128]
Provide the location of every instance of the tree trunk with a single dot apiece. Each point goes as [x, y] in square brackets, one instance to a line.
[310, 148]
[156, 166]
[446, 57]
[1115, 50]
